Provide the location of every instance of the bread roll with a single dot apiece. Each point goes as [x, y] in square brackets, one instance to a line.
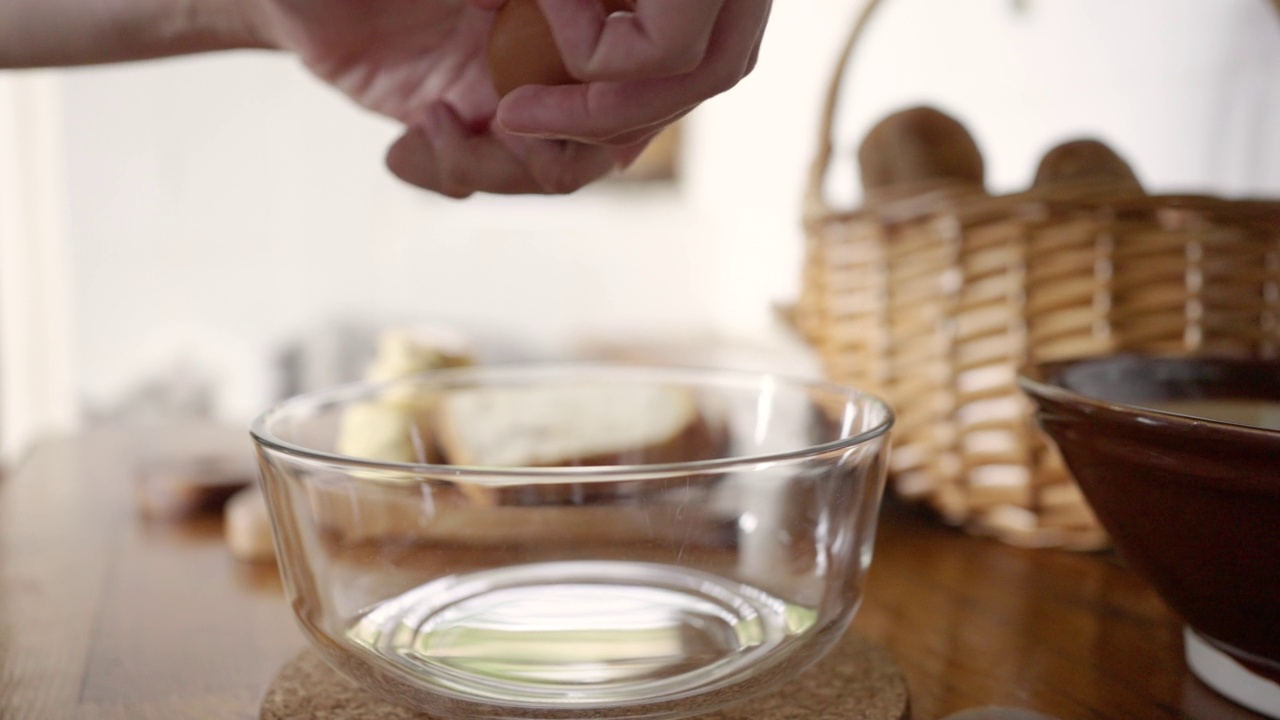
[1088, 163]
[247, 527]
[396, 426]
[388, 431]
[918, 149]
[404, 352]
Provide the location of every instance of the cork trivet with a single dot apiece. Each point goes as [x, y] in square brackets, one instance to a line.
[855, 681]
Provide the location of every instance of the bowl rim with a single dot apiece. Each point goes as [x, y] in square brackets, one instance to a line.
[1034, 380]
[530, 370]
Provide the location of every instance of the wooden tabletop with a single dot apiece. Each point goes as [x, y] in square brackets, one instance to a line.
[103, 615]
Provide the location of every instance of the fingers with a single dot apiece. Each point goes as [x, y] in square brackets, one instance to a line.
[559, 167]
[443, 155]
[602, 112]
[660, 38]
[625, 155]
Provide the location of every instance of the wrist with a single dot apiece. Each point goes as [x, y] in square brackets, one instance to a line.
[222, 24]
[47, 33]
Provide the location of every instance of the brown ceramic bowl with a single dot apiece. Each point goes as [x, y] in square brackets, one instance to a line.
[1180, 459]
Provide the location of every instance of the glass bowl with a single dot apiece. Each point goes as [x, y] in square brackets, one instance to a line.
[1180, 459]
[574, 541]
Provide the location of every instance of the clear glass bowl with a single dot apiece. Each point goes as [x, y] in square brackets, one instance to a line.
[457, 542]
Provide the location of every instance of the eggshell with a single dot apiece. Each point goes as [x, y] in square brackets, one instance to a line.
[522, 50]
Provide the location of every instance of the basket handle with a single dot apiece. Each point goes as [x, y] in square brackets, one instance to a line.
[814, 205]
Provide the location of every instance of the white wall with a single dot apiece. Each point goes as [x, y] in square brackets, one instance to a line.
[215, 205]
[36, 373]
[218, 205]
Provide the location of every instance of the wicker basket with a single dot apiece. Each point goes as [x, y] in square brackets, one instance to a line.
[937, 300]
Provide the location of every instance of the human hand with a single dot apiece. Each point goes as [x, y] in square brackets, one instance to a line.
[640, 70]
[423, 63]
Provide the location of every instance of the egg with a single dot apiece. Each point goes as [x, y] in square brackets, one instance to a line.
[522, 50]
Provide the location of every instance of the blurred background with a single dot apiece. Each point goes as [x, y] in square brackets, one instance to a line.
[204, 235]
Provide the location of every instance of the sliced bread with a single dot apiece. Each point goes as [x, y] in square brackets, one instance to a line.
[572, 425]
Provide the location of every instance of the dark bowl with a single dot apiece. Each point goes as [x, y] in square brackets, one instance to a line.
[1180, 459]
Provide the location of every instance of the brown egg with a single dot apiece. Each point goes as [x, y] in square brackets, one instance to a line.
[522, 50]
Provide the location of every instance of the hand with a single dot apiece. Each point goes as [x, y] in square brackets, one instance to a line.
[642, 70]
[422, 62]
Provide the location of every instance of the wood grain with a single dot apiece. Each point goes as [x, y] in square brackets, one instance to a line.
[106, 616]
[976, 622]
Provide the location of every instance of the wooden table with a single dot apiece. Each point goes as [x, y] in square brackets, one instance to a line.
[105, 616]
